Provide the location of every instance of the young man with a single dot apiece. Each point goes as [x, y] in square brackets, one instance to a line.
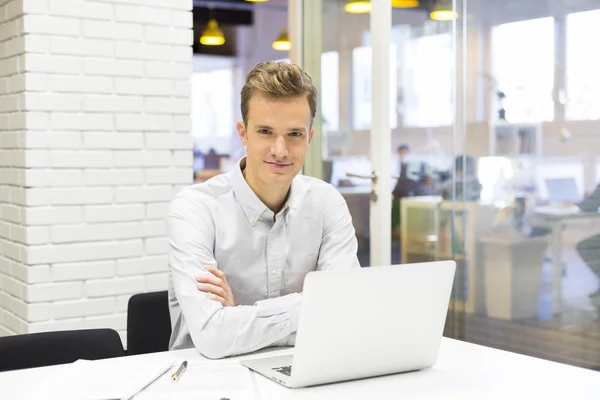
[242, 242]
[468, 187]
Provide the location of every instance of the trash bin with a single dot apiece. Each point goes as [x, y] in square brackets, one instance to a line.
[513, 275]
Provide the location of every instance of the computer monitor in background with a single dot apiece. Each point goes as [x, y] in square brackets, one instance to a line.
[561, 190]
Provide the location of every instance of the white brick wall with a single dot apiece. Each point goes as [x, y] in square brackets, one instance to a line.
[14, 313]
[94, 125]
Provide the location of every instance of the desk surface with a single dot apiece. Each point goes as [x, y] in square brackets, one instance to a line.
[565, 212]
[463, 371]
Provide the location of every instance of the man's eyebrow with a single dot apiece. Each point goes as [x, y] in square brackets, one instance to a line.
[296, 129]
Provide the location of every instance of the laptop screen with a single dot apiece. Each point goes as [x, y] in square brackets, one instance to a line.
[561, 190]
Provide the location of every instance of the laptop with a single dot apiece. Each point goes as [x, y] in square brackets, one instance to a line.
[562, 190]
[364, 323]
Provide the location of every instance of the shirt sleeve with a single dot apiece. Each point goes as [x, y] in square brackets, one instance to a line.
[339, 246]
[218, 331]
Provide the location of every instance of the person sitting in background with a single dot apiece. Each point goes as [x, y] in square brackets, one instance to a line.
[589, 249]
[468, 187]
[411, 175]
[426, 187]
[211, 160]
[405, 187]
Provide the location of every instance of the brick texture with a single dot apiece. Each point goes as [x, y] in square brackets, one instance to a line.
[94, 142]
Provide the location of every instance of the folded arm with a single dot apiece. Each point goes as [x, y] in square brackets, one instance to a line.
[218, 331]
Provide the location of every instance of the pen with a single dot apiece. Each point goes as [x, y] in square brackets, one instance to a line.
[175, 377]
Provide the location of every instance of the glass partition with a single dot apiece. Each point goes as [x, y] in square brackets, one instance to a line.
[494, 143]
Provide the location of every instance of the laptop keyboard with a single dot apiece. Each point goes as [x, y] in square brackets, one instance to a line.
[287, 370]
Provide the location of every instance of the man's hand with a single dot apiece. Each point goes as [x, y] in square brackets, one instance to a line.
[215, 285]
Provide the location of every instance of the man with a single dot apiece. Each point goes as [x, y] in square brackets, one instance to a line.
[402, 151]
[242, 242]
[468, 187]
[589, 249]
[413, 178]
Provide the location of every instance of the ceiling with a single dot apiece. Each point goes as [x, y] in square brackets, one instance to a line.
[234, 12]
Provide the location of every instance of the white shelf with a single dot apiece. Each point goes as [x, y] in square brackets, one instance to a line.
[515, 140]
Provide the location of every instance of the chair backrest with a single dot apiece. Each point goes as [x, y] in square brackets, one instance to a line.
[60, 347]
[148, 323]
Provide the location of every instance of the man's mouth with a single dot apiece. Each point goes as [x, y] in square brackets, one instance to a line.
[278, 165]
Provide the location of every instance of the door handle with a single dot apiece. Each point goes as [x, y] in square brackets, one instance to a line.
[372, 177]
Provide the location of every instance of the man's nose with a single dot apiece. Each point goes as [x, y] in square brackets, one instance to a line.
[279, 148]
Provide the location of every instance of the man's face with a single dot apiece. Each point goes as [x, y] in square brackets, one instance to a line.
[402, 153]
[277, 136]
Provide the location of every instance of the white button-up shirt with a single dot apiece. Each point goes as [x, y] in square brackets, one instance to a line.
[265, 258]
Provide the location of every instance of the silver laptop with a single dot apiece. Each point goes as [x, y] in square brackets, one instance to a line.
[364, 323]
[561, 190]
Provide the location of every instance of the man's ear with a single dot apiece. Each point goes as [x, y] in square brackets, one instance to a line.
[241, 128]
[310, 134]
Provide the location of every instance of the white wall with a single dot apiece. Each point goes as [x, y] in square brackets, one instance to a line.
[94, 146]
[12, 193]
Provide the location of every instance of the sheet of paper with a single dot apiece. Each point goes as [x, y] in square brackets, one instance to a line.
[116, 378]
[204, 382]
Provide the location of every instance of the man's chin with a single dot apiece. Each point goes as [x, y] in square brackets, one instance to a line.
[282, 178]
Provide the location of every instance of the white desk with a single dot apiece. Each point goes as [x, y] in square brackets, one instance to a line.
[554, 218]
[464, 371]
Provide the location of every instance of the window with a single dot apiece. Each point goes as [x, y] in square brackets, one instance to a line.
[330, 106]
[582, 63]
[212, 103]
[523, 69]
[427, 81]
[361, 88]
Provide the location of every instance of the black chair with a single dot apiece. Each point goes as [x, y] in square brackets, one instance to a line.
[60, 347]
[148, 323]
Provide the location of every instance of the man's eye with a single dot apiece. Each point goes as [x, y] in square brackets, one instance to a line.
[296, 134]
[264, 131]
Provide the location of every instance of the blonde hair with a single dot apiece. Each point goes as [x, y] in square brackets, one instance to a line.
[278, 80]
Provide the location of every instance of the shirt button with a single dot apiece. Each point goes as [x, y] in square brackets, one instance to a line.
[274, 272]
[252, 220]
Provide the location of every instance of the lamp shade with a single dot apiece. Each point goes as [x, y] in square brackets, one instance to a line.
[405, 3]
[282, 42]
[359, 7]
[442, 11]
[212, 35]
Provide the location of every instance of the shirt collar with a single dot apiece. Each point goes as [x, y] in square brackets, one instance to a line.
[251, 205]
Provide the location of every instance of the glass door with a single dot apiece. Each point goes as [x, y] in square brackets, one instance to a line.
[348, 53]
[447, 126]
[386, 73]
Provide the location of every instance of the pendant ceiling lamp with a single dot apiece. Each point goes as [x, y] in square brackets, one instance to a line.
[212, 35]
[442, 11]
[360, 7]
[282, 43]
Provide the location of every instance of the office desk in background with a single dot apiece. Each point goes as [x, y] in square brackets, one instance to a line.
[554, 218]
[464, 371]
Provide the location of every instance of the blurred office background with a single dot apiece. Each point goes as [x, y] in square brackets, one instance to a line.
[108, 108]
